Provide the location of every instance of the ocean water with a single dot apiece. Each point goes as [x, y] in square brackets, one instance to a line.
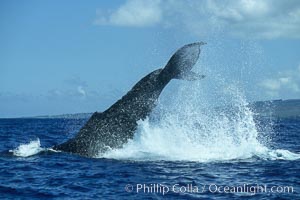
[51, 175]
[197, 146]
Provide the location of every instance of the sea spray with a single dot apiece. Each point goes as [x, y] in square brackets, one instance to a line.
[26, 150]
[200, 124]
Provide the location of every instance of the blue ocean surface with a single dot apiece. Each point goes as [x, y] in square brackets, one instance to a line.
[30, 171]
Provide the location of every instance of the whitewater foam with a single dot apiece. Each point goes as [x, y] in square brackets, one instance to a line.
[191, 128]
[30, 149]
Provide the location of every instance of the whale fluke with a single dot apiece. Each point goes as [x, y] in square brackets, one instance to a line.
[116, 125]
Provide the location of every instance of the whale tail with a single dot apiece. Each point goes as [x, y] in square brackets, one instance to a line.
[180, 64]
[116, 125]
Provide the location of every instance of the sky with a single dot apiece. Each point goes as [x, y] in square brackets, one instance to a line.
[69, 56]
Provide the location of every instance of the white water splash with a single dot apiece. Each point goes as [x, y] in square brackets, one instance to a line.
[191, 128]
[279, 154]
[30, 149]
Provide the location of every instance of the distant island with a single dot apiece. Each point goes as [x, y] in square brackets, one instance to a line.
[273, 108]
[277, 108]
[65, 116]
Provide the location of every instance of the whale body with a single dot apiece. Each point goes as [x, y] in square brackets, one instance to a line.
[116, 125]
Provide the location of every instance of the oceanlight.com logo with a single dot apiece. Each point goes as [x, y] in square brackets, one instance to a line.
[250, 189]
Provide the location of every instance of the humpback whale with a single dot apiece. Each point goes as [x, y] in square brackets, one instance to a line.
[116, 125]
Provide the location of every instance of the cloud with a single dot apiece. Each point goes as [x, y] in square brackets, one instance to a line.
[259, 19]
[67, 93]
[81, 91]
[76, 88]
[267, 19]
[285, 83]
[135, 13]
[13, 97]
[75, 81]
